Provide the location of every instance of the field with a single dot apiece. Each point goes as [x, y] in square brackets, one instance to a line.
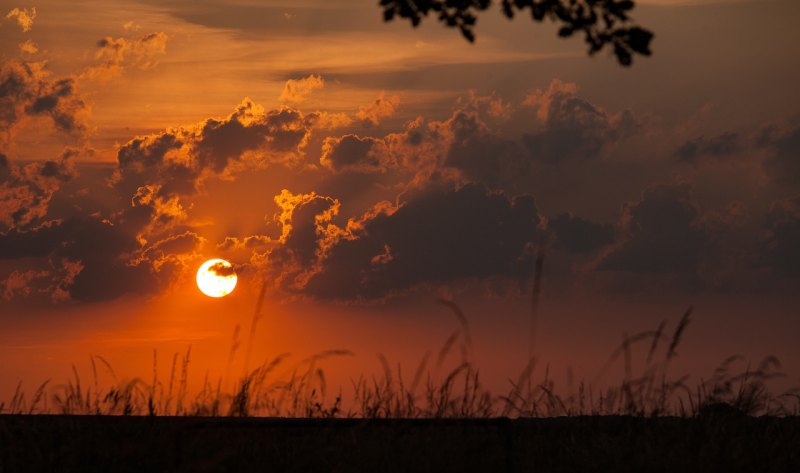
[713, 442]
[284, 417]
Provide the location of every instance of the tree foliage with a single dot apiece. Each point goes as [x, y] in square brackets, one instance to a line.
[602, 22]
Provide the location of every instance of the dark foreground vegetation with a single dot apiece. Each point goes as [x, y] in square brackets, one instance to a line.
[715, 440]
[281, 416]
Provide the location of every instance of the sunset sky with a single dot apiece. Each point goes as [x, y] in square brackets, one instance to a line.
[362, 169]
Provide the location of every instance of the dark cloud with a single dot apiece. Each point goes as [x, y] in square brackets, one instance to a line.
[177, 160]
[26, 191]
[28, 90]
[782, 163]
[222, 269]
[307, 227]
[661, 233]
[490, 160]
[721, 145]
[353, 152]
[90, 259]
[490, 141]
[138, 248]
[436, 235]
[572, 127]
[780, 248]
[577, 235]
[479, 152]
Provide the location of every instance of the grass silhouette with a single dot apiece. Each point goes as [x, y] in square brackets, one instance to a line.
[279, 388]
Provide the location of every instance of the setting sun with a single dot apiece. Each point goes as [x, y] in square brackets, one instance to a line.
[216, 278]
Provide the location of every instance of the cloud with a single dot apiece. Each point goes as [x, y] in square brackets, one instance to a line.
[28, 47]
[19, 283]
[296, 91]
[23, 16]
[222, 269]
[577, 235]
[661, 233]
[143, 239]
[780, 250]
[782, 163]
[353, 152]
[179, 159]
[254, 243]
[382, 107]
[479, 152]
[27, 91]
[721, 145]
[86, 258]
[26, 191]
[117, 54]
[437, 234]
[573, 129]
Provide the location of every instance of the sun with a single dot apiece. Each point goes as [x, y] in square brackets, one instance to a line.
[216, 278]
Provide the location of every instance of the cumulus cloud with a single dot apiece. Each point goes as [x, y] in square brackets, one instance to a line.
[489, 141]
[382, 107]
[178, 159]
[480, 153]
[353, 152]
[573, 129]
[782, 163]
[26, 191]
[578, 235]
[23, 16]
[780, 250]
[28, 47]
[721, 145]
[19, 283]
[27, 91]
[296, 91]
[117, 54]
[141, 243]
[661, 233]
[88, 258]
[436, 234]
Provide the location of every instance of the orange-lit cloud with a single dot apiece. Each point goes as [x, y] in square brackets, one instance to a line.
[296, 91]
[28, 47]
[26, 191]
[30, 92]
[382, 107]
[117, 54]
[179, 159]
[373, 209]
[23, 16]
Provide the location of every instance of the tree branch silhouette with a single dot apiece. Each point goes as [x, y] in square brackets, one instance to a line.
[602, 22]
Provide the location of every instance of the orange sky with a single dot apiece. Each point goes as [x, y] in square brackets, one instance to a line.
[363, 169]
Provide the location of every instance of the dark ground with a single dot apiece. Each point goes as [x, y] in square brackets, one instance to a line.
[568, 444]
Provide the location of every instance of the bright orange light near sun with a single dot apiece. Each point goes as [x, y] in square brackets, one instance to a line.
[216, 278]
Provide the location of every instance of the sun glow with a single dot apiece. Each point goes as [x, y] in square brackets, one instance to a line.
[216, 278]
